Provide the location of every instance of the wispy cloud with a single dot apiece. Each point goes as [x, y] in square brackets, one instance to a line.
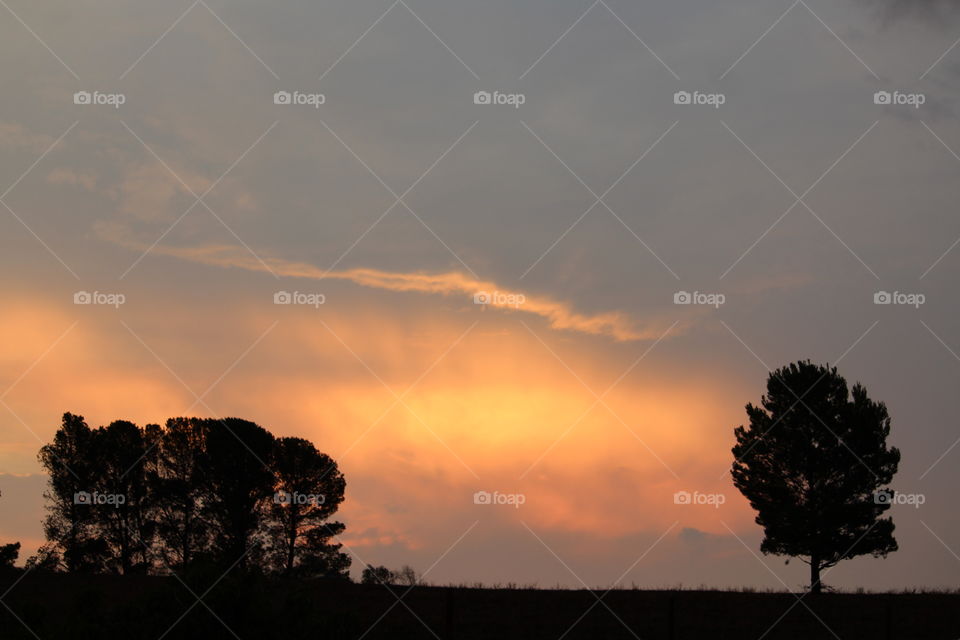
[560, 315]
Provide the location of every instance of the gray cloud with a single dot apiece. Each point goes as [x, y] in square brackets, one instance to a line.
[930, 11]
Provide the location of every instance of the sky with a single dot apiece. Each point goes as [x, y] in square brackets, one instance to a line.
[582, 202]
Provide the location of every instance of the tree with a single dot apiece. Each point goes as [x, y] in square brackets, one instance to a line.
[69, 524]
[376, 575]
[407, 575]
[177, 489]
[814, 464]
[238, 483]
[9, 554]
[47, 559]
[195, 489]
[122, 522]
[98, 518]
[309, 489]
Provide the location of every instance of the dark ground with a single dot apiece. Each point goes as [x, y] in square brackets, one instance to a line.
[75, 607]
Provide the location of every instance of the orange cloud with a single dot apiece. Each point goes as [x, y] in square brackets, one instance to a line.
[494, 411]
[560, 315]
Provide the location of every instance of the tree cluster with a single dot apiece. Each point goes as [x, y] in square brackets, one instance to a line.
[406, 576]
[194, 492]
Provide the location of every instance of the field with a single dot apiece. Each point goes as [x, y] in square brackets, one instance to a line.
[77, 607]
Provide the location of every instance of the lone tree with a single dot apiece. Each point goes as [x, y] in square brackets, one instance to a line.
[814, 463]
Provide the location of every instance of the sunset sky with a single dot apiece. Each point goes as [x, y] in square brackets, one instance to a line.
[587, 208]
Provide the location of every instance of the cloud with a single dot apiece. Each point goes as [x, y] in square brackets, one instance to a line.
[63, 176]
[498, 404]
[760, 283]
[929, 10]
[560, 315]
[148, 192]
[15, 136]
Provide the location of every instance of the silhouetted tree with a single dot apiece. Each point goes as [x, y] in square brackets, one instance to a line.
[69, 460]
[9, 554]
[177, 487]
[98, 516]
[120, 455]
[309, 489]
[319, 557]
[407, 575]
[814, 464]
[238, 484]
[47, 558]
[195, 489]
[376, 575]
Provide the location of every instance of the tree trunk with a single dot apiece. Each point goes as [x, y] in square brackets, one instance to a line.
[815, 586]
[291, 545]
[185, 545]
[125, 543]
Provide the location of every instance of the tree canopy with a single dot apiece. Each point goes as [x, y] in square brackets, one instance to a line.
[196, 491]
[814, 463]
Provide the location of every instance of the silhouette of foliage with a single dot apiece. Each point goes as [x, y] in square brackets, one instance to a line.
[177, 481]
[120, 451]
[46, 560]
[309, 490]
[238, 484]
[9, 554]
[376, 575]
[406, 576]
[194, 493]
[814, 464]
[69, 461]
